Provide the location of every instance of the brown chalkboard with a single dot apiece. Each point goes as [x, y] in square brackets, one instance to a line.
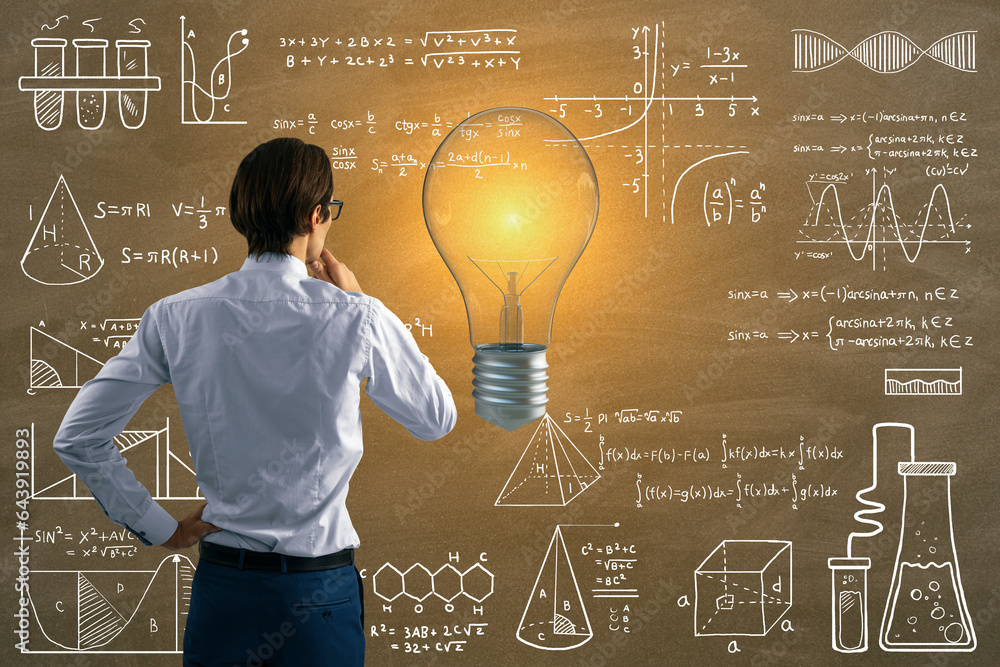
[795, 260]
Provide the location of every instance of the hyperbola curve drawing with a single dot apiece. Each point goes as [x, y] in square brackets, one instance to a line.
[61, 251]
[551, 471]
[653, 71]
[111, 611]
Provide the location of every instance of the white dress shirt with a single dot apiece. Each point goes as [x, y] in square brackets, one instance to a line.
[266, 364]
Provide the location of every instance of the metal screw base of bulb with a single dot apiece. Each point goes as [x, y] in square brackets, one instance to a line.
[510, 389]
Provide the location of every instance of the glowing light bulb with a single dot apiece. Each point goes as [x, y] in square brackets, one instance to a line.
[510, 200]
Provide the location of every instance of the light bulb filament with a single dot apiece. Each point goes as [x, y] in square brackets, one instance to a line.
[511, 316]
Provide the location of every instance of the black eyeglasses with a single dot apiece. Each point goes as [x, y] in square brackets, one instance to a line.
[335, 207]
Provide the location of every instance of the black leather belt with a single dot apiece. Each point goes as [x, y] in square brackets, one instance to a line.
[245, 559]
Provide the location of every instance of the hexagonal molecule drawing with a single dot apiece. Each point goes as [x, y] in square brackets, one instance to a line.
[555, 618]
[61, 251]
[551, 471]
[446, 583]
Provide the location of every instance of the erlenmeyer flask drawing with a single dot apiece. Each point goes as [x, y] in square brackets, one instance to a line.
[926, 608]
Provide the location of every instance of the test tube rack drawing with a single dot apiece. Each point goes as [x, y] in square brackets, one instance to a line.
[926, 608]
[91, 83]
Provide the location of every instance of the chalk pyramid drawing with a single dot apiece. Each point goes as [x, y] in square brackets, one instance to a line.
[61, 251]
[56, 365]
[551, 471]
[555, 618]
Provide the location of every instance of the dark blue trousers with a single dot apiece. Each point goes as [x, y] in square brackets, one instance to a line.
[246, 618]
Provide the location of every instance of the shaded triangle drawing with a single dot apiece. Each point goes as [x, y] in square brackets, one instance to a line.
[555, 618]
[551, 471]
[109, 611]
[61, 251]
[152, 460]
[54, 364]
[98, 621]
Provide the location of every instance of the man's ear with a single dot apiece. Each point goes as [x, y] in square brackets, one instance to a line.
[316, 219]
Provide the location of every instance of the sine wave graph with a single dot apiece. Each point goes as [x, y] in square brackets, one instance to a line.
[887, 52]
[111, 611]
[877, 224]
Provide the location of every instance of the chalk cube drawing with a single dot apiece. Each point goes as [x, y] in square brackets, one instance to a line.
[744, 587]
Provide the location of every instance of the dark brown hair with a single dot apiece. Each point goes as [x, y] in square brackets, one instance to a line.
[275, 190]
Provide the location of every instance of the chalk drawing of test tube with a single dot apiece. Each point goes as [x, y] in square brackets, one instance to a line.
[50, 56]
[90, 103]
[91, 82]
[132, 64]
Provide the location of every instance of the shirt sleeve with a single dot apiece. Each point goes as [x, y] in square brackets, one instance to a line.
[99, 413]
[402, 382]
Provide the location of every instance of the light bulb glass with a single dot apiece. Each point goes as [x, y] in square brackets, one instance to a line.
[510, 200]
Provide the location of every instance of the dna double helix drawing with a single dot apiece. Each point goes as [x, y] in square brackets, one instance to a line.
[887, 52]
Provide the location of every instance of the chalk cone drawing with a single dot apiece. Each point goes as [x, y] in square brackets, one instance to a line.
[555, 618]
[551, 471]
[61, 251]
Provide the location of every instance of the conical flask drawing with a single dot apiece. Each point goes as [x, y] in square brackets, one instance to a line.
[926, 608]
[554, 618]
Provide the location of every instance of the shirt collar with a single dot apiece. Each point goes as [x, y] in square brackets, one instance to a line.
[270, 261]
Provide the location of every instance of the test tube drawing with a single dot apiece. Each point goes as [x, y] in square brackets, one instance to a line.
[850, 603]
[132, 63]
[926, 608]
[50, 57]
[90, 103]
[91, 81]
